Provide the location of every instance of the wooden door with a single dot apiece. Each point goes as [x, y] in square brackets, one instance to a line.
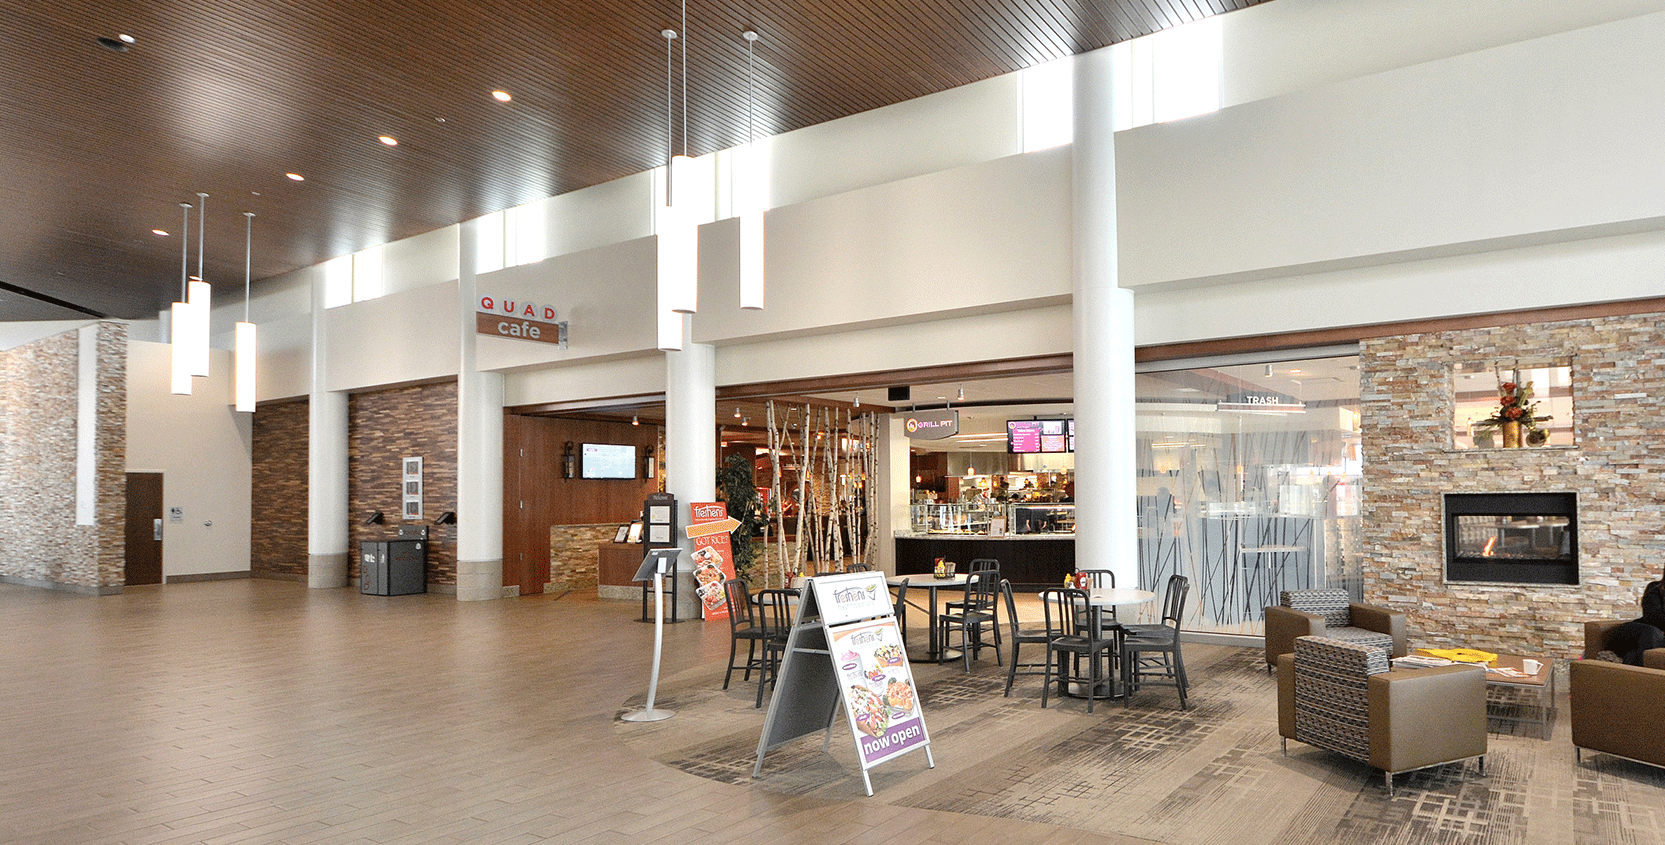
[144, 528]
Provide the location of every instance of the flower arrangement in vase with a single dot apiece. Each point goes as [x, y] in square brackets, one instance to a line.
[1516, 414]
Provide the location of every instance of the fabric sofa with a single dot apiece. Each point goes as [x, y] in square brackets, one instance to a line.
[1329, 613]
[1342, 697]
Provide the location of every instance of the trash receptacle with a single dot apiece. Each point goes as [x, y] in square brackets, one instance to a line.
[393, 567]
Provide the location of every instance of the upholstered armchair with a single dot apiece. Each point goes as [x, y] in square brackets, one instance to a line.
[1329, 613]
[1595, 642]
[1343, 697]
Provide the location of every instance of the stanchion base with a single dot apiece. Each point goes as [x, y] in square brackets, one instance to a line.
[648, 715]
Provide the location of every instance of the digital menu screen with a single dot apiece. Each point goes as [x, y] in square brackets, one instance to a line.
[1052, 435]
[1071, 428]
[1023, 437]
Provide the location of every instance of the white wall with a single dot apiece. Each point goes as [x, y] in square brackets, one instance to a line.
[203, 448]
[416, 262]
[1506, 147]
[643, 375]
[1292, 45]
[16, 334]
[402, 337]
[987, 236]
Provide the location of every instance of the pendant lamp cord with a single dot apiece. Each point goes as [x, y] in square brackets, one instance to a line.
[248, 259]
[670, 89]
[185, 252]
[202, 217]
[684, 77]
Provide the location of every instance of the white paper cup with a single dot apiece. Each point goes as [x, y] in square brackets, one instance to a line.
[1530, 666]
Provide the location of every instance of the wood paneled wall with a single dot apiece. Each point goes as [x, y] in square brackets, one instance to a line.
[536, 496]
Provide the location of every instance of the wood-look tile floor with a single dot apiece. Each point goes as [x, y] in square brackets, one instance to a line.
[263, 712]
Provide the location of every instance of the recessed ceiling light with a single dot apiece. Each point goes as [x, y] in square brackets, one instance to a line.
[501, 96]
[296, 177]
[113, 44]
[390, 140]
[159, 232]
[439, 120]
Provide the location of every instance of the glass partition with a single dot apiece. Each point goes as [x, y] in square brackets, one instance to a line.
[1249, 483]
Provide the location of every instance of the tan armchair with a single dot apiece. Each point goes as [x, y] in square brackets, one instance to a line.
[1613, 708]
[1413, 718]
[1595, 642]
[1329, 613]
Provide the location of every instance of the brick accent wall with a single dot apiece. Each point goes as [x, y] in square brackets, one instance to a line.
[1615, 468]
[39, 540]
[279, 474]
[383, 428]
[574, 563]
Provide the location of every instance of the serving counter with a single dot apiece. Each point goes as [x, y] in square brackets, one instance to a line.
[1030, 561]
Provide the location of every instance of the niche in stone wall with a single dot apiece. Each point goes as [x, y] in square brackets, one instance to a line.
[1509, 404]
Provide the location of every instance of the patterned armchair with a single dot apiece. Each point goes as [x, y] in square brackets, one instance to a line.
[1342, 697]
[1329, 613]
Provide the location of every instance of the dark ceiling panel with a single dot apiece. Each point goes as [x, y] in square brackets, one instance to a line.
[226, 96]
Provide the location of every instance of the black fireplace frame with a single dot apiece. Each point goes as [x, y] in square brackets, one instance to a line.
[1479, 570]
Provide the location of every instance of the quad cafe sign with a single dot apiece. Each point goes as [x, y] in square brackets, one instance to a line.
[519, 319]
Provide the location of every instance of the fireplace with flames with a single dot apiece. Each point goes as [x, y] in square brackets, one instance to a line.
[1511, 538]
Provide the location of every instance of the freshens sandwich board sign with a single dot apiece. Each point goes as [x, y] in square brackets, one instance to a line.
[845, 649]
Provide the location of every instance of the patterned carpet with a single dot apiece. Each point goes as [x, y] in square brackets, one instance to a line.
[1213, 774]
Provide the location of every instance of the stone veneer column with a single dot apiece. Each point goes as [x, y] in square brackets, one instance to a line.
[1106, 466]
[326, 464]
[479, 447]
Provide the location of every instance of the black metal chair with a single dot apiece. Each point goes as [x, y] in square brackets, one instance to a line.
[1099, 579]
[1020, 635]
[1076, 643]
[775, 608]
[902, 611]
[970, 614]
[742, 625]
[1150, 653]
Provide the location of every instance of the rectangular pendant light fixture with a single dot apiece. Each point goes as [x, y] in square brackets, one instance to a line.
[245, 366]
[246, 346]
[180, 347]
[679, 271]
[752, 189]
[196, 341]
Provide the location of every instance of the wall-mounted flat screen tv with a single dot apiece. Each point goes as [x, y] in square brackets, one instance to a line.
[1023, 437]
[606, 460]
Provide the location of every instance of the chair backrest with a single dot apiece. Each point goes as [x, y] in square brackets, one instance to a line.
[1330, 604]
[984, 564]
[1332, 693]
[775, 609]
[981, 588]
[858, 567]
[739, 598]
[1057, 610]
[1098, 579]
[1011, 607]
[1076, 607]
[1173, 603]
[901, 596]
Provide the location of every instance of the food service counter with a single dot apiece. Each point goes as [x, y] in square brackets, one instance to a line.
[1030, 561]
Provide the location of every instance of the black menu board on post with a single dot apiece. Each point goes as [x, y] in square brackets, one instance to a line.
[659, 532]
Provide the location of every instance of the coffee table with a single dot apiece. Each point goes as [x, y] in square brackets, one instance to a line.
[1504, 692]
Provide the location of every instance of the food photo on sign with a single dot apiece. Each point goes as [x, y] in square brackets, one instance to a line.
[878, 689]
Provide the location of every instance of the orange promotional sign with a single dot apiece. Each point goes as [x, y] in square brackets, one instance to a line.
[709, 526]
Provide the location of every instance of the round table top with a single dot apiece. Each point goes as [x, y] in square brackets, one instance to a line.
[1112, 596]
[927, 580]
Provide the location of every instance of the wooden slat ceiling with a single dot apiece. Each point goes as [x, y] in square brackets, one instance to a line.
[98, 147]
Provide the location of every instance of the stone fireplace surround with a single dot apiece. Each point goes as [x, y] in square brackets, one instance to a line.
[1616, 467]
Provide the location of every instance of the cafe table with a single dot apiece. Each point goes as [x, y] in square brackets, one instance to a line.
[930, 584]
[1100, 598]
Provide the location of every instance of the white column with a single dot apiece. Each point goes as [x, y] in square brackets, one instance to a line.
[895, 476]
[1106, 468]
[479, 448]
[690, 437]
[326, 465]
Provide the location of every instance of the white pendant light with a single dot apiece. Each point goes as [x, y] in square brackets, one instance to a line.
[199, 297]
[751, 201]
[181, 314]
[670, 253]
[245, 329]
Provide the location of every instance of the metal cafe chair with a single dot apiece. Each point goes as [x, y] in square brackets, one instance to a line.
[1150, 653]
[1019, 636]
[774, 608]
[742, 625]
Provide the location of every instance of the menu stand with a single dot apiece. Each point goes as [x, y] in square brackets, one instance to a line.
[845, 651]
[656, 564]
